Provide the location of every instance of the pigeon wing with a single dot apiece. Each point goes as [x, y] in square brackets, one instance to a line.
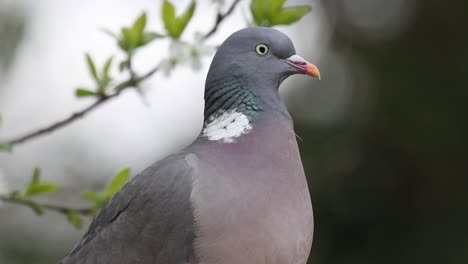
[149, 221]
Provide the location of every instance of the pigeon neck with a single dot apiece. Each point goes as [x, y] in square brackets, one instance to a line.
[230, 108]
[230, 95]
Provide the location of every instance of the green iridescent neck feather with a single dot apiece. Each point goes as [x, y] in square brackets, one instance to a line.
[229, 95]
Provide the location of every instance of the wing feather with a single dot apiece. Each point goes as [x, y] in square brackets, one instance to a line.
[149, 221]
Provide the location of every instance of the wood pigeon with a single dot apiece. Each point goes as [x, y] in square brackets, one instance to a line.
[238, 194]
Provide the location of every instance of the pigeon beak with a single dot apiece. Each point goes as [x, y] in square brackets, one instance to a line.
[303, 66]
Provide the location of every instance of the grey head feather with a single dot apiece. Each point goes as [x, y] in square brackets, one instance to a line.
[237, 57]
[236, 64]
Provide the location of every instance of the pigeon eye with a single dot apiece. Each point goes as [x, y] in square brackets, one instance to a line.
[262, 49]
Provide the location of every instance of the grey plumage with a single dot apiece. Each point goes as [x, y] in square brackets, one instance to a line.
[152, 213]
[238, 194]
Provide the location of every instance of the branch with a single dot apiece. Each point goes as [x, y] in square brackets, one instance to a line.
[59, 124]
[80, 114]
[220, 18]
[130, 66]
[37, 207]
[133, 81]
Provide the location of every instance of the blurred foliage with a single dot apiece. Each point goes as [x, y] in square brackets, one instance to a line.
[36, 187]
[100, 198]
[270, 13]
[102, 80]
[176, 25]
[135, 36]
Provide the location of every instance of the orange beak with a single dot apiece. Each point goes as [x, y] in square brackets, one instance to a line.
[303, 66]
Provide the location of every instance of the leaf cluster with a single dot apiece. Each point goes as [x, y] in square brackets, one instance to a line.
[100, 198]
[129, 40]
[175, 25]
[102, 78]
[270, 13]
[35, 187]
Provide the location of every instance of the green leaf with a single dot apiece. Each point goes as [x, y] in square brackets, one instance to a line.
[140, 24]
[106, 79]
[80, 92]
[42, 188]
[274, 7]
[290, 15]
[123, 65]
[38, 209]
[90, 196]
[118, 182]
[135, 36]
[36, 176]
[131, 38]
[271, 12]
[168, 15]
[148, 37]
[35, 187]
[5, 147]
[258, 8]
[75, 219]
[103, 85]
[175, 26]
[185, 18]
[98, 199]
[123, 44]
[105, 70]
[92, 67]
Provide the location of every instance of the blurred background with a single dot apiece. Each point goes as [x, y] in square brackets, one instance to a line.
[384, 134]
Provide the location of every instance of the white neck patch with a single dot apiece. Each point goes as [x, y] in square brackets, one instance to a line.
[226, 126]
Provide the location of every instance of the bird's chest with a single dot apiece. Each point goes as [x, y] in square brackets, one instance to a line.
[255, 209]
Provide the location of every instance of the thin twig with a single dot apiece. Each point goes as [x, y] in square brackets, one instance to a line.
[132, 82]
[57, 125]
[130, 66]
[219, 18]
[147, 75]
[38, 206]
[80, 114]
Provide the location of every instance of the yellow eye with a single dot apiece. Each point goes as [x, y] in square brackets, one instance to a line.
[261, 49]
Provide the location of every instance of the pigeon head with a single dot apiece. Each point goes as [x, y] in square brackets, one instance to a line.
[246, 73]
[259, 54]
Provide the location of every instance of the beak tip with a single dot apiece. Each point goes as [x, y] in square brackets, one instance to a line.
[303, 66]
[314, 72]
